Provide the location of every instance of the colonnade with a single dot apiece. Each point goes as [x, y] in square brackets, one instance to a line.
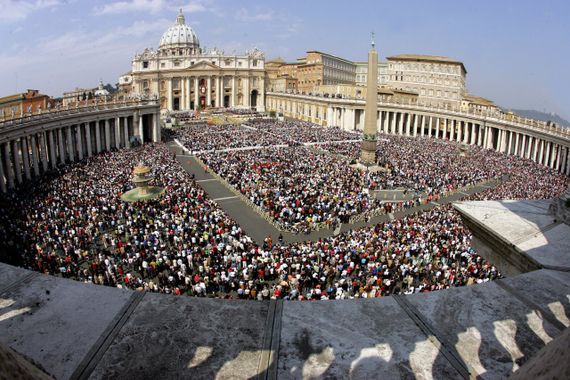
[42, 148]
[538, 145]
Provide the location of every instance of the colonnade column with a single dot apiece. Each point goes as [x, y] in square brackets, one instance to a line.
[516, 152]
[509, 142]
[118, 132]
[552, 155]
[98, 136]
[546, 154]
[43, 153]
[479, 135]
[61, 146]
[528, 150]
[3, 187]
[52, 148]
[26, 158]
[79, 142]
[107, 135]
[69, 144]
[534, 148]
[17, 162]
[541, 152]
[233, 95]
[9, 172]
[35, 158]
[88, 139]
[558, 157]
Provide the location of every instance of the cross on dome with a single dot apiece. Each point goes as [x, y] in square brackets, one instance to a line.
[180, 20]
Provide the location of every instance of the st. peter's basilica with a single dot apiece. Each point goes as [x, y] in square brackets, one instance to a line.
[187, 77]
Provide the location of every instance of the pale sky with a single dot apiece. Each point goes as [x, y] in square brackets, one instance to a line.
[516, 52]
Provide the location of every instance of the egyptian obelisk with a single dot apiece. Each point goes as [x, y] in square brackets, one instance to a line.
[368, 154]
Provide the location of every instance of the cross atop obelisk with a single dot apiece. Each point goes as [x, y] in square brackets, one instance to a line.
[368, 153]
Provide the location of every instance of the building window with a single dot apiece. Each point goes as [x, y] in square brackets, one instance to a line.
[255, 63]
[162, 64]
[176, 63]
[145, 84]
[145, 64]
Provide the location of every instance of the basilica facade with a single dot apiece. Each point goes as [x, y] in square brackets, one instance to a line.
[186, 77]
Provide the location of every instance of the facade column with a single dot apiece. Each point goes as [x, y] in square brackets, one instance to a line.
[245, 89]
[465, 126]
[88, 139]
[107, 135]
[98, 141]
[437, 121]
[169, 94]
[401, 124]
[408, 123]
[393, 126]
[44, 150]
[69, 143]
[79, 142]
[26, 158]
[196, 93]
[118, 132]
[9, 173]
[415, 130]
[141, 128]
[451, 130]
[385, 122]
[218, 92]
[62, 154]
[430, 126]
[155, 128]
[444, 137]
[209, 92]
[17, 163]
[233, 94]
[126, 132]
[35, 156]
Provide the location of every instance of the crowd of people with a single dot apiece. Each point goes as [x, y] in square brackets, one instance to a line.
[298, 187]
[72, 222]
[201, 138]
[302, 132]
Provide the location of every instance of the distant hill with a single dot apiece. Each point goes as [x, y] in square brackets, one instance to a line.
[544, 116]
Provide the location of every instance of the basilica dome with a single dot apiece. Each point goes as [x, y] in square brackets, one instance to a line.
[179, 35]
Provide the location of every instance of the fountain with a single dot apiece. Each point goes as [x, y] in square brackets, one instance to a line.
[142, 190]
